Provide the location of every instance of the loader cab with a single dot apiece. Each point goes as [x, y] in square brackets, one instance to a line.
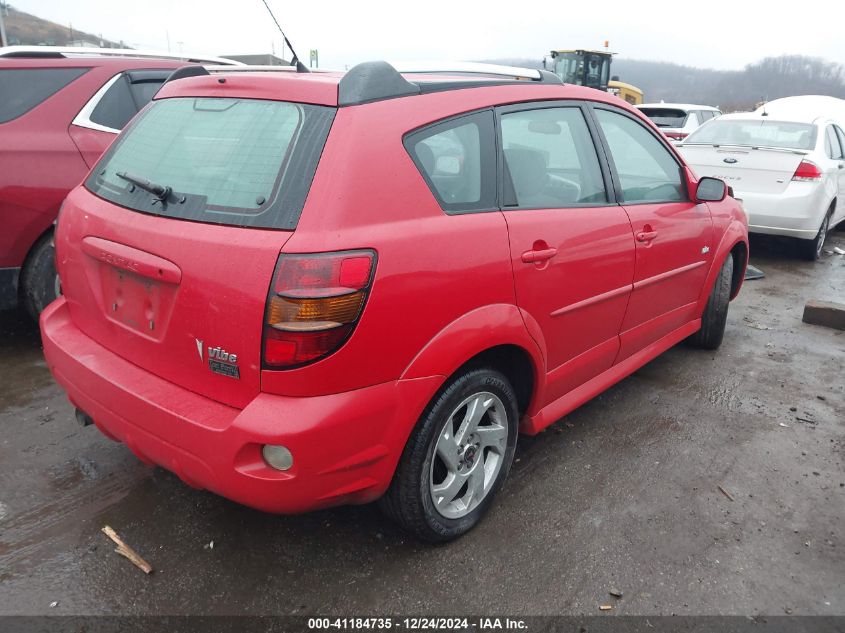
[581, 67]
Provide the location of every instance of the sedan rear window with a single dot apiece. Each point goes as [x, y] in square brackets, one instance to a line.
[242, 162]
[24, 88]
[755, 133]
[666, 117]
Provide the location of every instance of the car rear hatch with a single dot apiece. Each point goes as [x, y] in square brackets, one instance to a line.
[167, 253]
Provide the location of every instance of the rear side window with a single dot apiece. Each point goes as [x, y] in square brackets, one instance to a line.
[242, 162]
[21, 89]
[551, 159]
[647, 170]
[666, 117]
[125, 97]
[458, 162]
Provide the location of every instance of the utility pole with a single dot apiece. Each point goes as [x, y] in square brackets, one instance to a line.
[4, 41]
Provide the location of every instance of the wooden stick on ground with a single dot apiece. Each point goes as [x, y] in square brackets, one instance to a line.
[726, 493]
[124, 550]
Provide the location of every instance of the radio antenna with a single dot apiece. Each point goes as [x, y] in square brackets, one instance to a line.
[300, 67]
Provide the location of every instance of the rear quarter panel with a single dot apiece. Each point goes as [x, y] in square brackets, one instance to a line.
[432, 268]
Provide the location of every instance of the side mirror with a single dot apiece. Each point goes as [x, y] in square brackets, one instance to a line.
[711, 190]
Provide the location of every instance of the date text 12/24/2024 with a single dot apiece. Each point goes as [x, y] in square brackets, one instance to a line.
[418, 624]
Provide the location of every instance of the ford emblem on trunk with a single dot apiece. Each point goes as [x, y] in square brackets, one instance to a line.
[730, 161]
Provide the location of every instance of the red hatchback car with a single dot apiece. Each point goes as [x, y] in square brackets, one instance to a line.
[304, 290]
[60, 109]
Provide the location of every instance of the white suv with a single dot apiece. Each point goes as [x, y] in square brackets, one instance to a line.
[678, 120]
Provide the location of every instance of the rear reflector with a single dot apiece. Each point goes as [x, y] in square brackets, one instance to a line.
[807, 171]
[314, 303]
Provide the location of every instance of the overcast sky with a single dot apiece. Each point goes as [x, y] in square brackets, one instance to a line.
[709, 34]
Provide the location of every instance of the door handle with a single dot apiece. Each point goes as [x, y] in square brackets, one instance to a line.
[532, 257]
[646, 236]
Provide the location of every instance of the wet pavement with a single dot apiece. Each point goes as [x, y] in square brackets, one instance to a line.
[623, 493]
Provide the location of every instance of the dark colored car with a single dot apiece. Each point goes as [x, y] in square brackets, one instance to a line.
[60, 109]
[300, 290]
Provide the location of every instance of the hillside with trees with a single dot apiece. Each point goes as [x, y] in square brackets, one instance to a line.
[27, 29]
[731, 90]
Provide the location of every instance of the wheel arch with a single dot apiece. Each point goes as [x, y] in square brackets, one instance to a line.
[27, 260]
[734, 243]
[739, 252]
[494, 336]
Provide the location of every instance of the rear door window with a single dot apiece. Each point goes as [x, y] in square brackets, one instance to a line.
[841, 136]
[550, 159]
[646, 169]
[458, 162]
[243, 162]
[21, 89]
[831, 145]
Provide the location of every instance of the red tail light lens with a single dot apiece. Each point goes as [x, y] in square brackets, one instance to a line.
[314, 303]
[807, 171]
[677, 136]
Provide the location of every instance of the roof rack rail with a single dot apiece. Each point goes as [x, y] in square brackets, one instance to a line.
[469, 68]
[374, 81]
[257, 68]
[59, 52]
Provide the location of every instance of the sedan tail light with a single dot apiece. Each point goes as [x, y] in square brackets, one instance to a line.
[314, 304]
[807, 171]
[677, 136]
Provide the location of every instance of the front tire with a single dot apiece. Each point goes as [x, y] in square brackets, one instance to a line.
[39, 285]
[716, 312]
[456, 459]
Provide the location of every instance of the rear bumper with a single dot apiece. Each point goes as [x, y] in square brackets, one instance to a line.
[345, 446]
[797, 212]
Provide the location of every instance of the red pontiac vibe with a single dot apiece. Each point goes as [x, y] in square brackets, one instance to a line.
[302, 290]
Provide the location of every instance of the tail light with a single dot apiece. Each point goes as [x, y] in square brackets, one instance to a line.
[677, 136]
[807, 171]
[314, 304]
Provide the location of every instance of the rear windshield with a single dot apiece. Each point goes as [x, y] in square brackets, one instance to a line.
[241, 162]
[755, 133]
[21, 89]
[666, 117]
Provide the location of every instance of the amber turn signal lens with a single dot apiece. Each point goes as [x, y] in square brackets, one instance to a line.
[310, 314]
[314, 303]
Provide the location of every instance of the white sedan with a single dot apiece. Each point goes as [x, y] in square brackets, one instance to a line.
[789, 173]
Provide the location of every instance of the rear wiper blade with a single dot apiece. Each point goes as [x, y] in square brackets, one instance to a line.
[161, 192]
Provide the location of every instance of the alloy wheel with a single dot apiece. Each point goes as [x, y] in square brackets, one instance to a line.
[468, 455]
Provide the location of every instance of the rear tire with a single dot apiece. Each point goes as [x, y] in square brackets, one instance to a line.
[456, 459]
[811, 250]
[716, 313]
[39, 285]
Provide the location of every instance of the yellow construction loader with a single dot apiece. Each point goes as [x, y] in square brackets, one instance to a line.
[591, 68]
